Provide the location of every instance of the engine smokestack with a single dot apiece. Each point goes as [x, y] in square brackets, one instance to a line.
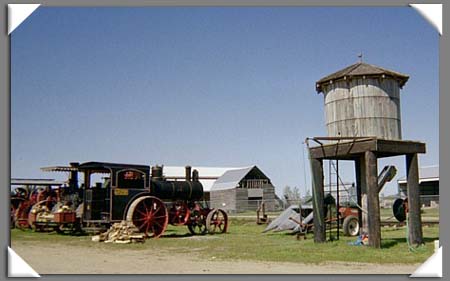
[195, 175]
[188, 173]
[157, 172]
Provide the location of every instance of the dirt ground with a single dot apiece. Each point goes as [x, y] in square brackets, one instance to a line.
[50, 258]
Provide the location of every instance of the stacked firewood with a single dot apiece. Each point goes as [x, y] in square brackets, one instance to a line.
[122, 233]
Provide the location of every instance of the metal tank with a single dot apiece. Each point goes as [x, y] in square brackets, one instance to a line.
[363, 100]
[190, 189]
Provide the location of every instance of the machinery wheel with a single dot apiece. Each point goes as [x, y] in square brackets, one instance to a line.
[21, 192]
[179, 213]
[350, 226]
[217, 221]
[21, 215]
[65, 228]
[149, 215]
[197, 223]
[400, 209]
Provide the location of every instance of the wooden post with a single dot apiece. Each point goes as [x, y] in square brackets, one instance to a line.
[373, 201]
[361, 193]
[318, 205]
[415, 221]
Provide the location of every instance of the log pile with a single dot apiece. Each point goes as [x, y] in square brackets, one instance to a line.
[121, 233]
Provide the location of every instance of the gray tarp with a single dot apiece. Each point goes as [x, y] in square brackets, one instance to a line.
[282, 222]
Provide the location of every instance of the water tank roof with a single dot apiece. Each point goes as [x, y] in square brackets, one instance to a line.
[361, 69]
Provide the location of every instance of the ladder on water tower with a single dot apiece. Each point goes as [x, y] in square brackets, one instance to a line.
[333, 180]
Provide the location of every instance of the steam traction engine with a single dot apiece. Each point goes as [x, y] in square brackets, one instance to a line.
[151, 203]
[30, 196]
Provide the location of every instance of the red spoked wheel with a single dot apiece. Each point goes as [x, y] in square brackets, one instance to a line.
[179, 213]
[217, 221]
[197, 221]
[149, 215]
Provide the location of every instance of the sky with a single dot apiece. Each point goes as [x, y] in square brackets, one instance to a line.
[206, 86]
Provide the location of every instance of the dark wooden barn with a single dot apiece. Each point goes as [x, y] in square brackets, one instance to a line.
[243, 189]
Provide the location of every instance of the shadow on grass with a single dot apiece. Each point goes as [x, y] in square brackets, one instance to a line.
[279, 232]
[76, 234]
[390, 242]
[171, 234]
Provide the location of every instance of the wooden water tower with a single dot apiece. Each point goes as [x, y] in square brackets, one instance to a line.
[362, 112]
[363, 100]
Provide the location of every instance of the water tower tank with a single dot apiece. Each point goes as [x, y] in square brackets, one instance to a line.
[363, 100]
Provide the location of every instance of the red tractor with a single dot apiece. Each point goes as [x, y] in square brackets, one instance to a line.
[349, 220]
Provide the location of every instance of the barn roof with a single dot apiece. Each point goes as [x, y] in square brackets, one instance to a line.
[426, 173]
[361, 69]
[231, 178]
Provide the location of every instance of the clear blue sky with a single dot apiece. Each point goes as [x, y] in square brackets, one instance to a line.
[204, 86]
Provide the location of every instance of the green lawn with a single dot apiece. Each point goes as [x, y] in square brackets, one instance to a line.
[384, 213]
[245, 241]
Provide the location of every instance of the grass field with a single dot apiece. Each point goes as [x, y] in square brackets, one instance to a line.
[385, 213]
[244, 241]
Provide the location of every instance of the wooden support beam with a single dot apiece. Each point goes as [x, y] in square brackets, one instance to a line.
[352, 149]
[361, 193]
[415, 220]
[318, 196]
[373, 201]
[343, 149]
[358, 190]
[400, 147]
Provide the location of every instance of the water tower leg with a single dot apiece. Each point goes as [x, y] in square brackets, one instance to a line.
[361, 193]
[317, 184]
[415, 221]
[373, 201]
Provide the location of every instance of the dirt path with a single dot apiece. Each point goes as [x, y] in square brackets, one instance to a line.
[50, 258]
